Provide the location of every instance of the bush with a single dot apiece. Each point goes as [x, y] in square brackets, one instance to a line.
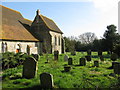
[117, 50]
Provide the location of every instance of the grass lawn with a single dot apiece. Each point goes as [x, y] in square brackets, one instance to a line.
[79, 76]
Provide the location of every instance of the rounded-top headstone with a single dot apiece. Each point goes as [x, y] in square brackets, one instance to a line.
[46, 80]
[66, 58]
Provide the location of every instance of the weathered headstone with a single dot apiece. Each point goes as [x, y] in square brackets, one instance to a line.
[88, 52]
[70, 61]
[36, 56]
[99, 53]
[114, 56]
[73, 52]
[56, 54]
[88, 58]
[29, 67]
[46, 80]
[116, 68]
[101, 58]
[66, 58]
[96, 63]
[82, 61]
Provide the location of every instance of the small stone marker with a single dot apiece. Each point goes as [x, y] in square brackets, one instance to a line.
[99, 53]
[66, 58]
[82, 61]
[46, 80]
[36, 56]
[29, 67]
[88, 58]
[73, 52]
[101, 58]
[116, 68]
[56, 53]
[70, 61]
[88, 52]
[96, 63]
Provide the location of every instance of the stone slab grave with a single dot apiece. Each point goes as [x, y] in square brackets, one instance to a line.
[36, 56]
[70, 61]
[46, 80]
[96, 63]
[82, 62]
[29, 67]
[56, 54]
[88, 58]
[116, 68]
[66, 58]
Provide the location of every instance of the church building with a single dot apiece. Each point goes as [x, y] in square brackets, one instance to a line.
[18, 34]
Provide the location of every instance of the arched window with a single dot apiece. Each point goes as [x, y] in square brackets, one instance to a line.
[18, 48]
[28, 49]
[55, 40]
[4, 47]
[59, 41]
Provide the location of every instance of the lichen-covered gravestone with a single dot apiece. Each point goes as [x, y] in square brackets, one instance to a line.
[82, 61]
[46, 80]
[29, 67]
[70, 61]
[66, 58]
[116, 68]
[56, 54]
[96, 63]
[36, 56]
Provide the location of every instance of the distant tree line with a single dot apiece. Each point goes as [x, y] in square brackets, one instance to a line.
[89, 41]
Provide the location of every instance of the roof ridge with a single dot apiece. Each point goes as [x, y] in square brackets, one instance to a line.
[11, 9]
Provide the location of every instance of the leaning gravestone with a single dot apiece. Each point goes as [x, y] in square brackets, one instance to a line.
[116, 68]
[66, 58]
[29, 67]
[36, 56]
[96, 63]
[46, 80]
[56, 54]
[70, 61]
[82, 61]
[88, 58]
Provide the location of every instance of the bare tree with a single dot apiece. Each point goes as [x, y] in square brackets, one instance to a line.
[87, 37]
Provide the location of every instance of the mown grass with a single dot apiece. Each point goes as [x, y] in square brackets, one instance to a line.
[79, 76]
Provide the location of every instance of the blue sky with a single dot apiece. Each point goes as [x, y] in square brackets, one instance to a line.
[73, 18]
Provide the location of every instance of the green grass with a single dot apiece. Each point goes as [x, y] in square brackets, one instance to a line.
[79, 76]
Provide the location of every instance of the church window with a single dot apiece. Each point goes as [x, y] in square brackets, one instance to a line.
[18, 48]
[59, 41]
[55, 40]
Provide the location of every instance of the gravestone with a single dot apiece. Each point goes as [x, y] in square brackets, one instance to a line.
[70, 61]
[29, 67]
[101, 58]
[56, 54]
[73, 53]
[116, 68]
[96, 63]
[88, 58]
[82, 61]
[36, 56]
[114, 56]
[113, 63]
[88, 52]
[66, 58]
[99, 53]
[46, 80]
